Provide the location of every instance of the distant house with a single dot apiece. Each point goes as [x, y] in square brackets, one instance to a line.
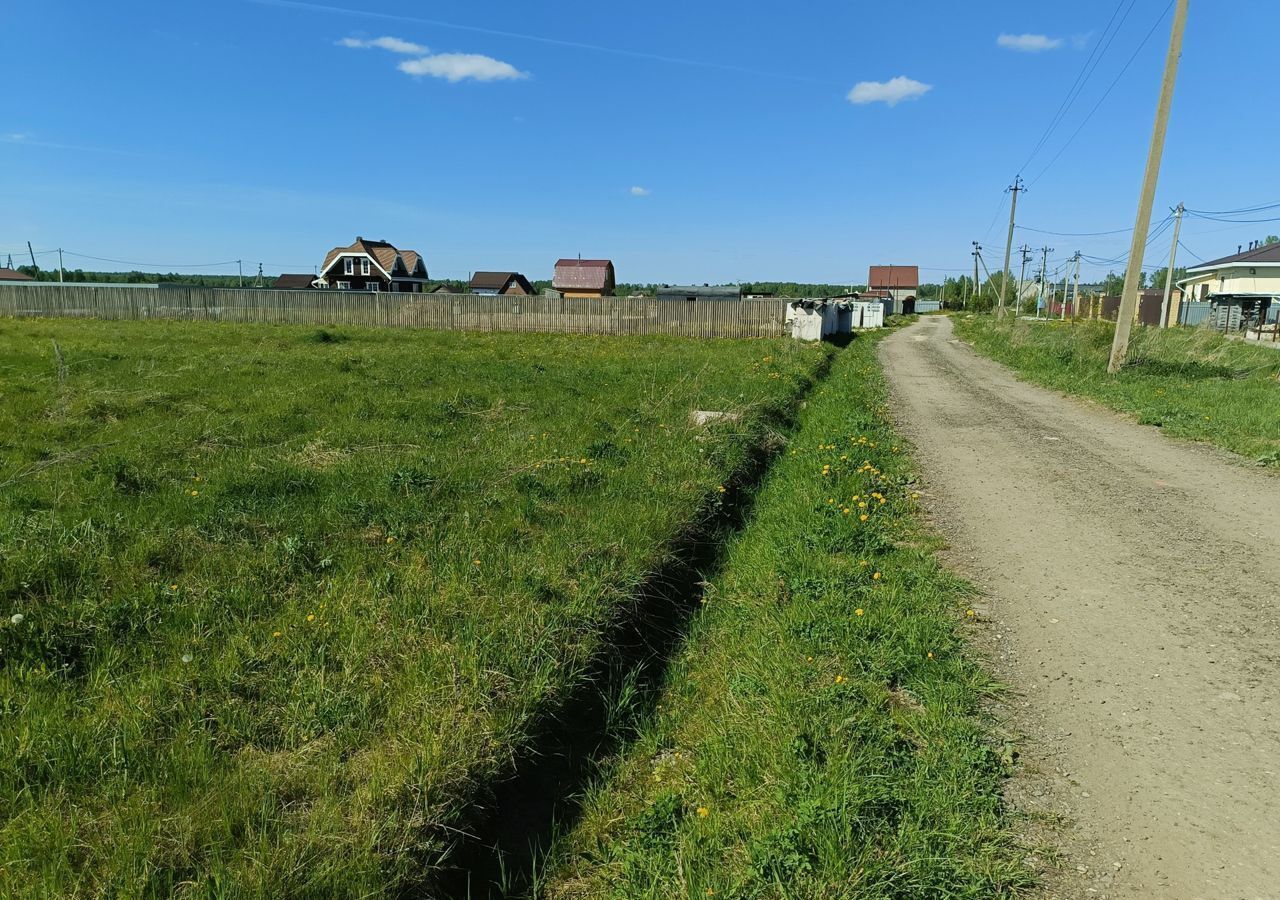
[374, 266]
[295, 282]
[500, 283]
[1240, 288]
[441, 289]
[899, 283]
[704, 292]
[577, 278]
[14, 275]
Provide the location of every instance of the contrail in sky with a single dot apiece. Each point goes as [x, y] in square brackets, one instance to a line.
[556, 42]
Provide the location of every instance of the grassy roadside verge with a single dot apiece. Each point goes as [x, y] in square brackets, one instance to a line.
[1188, 381]
[820, 733]
[279, 604]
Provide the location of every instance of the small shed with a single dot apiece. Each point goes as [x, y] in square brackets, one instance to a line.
[693, 293]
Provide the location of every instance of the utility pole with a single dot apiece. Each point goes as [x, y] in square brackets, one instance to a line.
[1129, 299]
[1066, 276]
[1022, 280]
[1075, 297]
[60, 275]
[1044, 277]
[33, 256]
[1173, 259]
[977, 252]
[1016, 189]
[240, 266]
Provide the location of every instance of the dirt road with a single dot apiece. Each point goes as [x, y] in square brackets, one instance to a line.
[1133, 586]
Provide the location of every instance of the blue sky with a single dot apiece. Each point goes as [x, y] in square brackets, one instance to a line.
[687, 141]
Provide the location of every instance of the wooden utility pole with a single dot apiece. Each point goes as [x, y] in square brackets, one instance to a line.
[1016, 189]
[1173, 260]
[1129, 299]
[1066, 274]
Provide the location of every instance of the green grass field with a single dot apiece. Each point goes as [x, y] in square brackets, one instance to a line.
[821, 734]
[1188, 381]
[278, 603]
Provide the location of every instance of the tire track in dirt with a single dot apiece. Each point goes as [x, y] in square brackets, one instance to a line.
[1133, 587]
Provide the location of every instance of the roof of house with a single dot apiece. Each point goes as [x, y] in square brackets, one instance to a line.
[14, 275]
[294, 282]
[381, 251]
[727, 292]
[498, 281]
[583, 274]
[894, 277]
[1268, 254]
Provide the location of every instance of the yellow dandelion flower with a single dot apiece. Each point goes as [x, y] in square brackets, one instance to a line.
[864, 517]
[311, 617]
[391, 539]
[275, 634]
[195, 493]
[703, 812]
[876, 576]
[859, 612]
[173, 587]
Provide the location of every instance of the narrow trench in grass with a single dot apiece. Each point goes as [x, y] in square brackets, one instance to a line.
[501, 855]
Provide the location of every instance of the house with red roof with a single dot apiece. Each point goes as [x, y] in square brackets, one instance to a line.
[576, 278]
[898, 283]
[374, 266]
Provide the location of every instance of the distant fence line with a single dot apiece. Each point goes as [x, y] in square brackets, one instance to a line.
[441, 312]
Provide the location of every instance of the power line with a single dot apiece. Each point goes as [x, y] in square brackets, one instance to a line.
[1105, 94]
[1086, 72]
[1076, 233]
[150, 265]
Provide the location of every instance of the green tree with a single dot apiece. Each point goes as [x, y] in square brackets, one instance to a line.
[1270, 239]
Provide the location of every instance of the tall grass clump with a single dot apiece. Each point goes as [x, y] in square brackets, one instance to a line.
[821, 734]
[1191, 382]
[279, 604]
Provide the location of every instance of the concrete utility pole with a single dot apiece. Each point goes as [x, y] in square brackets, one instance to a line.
[240, 266]
[977, 252]
[1016, 189]
[60, 274]
[1044, 277]
[1129, 299]
[1173, 260]
[1066, 275]
[1075, 296]
[1022, 279]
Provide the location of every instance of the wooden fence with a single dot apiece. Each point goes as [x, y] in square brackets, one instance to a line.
[444, 312]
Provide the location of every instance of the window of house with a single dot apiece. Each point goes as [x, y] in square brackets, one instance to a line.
[348, 266]
[364, 267]
[344, 285]
[374, 286]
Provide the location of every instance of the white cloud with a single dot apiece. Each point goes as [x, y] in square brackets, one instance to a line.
[1028, 43]
[394, 44]
[16, 138]
[638, 191]
[455, 67]
[891, 92]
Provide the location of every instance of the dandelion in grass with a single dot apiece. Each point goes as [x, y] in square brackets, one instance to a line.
[475, 562]
[187, 657]
[876, 576]
[840, 679]
[703, 812]
[173, 587]
[195, 493]
[859, 612]
[311, 617]
[17, 619]
[930, 654]
[275, 634]
[391, 539]
[722, 489]
[970, 613]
